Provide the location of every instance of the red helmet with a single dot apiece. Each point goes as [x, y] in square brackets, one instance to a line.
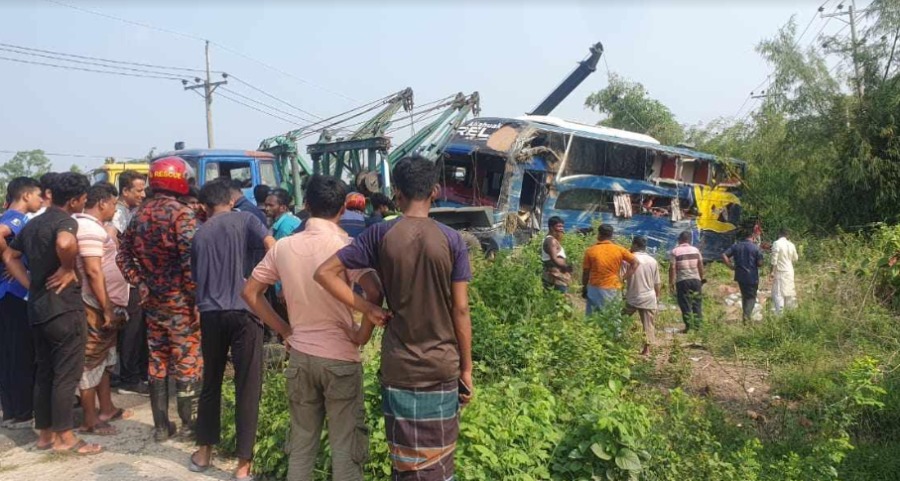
[171, 174]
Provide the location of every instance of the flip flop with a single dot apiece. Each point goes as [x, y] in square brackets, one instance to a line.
[196, 468]
[43, 448]
[102, 428]
[119, 415]
[76, 449]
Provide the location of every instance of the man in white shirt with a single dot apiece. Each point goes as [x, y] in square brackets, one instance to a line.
[642, 290]
[784, 254]
[132, 342]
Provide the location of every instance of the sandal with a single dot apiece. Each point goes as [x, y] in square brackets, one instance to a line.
[102, 428]
[197, 468]
[43, 448]
[119, 415]
[81, 444]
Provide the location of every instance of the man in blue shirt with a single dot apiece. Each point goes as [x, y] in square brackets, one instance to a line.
[278, 208]
[255, 250]
[16, 342]
[745, 258]
[226, 324]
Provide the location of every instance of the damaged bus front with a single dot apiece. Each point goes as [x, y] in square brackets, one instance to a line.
[503, 178]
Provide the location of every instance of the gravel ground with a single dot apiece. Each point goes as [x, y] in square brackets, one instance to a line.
[130, 455]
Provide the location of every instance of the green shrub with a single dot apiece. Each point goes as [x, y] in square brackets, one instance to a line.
[557, 397]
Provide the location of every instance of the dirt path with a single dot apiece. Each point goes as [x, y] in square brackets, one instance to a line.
[129, 456]
[741, 387]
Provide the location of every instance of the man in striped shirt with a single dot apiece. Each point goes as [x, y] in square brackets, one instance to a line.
[686, 280]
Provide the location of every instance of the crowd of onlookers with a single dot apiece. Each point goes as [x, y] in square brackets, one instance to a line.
[158, 283]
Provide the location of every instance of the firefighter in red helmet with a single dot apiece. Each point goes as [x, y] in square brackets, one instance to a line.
[155, 255]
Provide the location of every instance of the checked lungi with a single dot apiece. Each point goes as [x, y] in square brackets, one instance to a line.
[422, 426]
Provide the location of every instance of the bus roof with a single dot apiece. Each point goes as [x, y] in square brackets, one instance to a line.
[617, 136]
[597, 129]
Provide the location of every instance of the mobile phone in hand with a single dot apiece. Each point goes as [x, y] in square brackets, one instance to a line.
[463, 389]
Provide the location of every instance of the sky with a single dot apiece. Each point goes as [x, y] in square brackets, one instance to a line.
[696, 57]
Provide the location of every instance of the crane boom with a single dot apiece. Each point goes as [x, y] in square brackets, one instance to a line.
[584, 69]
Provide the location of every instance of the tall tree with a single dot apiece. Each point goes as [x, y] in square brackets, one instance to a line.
[627, 105]
[26, 163]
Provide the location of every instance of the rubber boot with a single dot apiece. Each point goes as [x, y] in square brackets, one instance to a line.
[159, 405]
[187, 395]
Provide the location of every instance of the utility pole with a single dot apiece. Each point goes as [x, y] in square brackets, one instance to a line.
[208, 88]
[851, 15]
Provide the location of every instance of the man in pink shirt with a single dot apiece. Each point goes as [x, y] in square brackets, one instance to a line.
[104, 292]
[324, 375]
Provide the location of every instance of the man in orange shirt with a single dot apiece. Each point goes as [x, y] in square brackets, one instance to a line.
[601, 270]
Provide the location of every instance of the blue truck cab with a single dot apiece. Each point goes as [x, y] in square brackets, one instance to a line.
[251, 167]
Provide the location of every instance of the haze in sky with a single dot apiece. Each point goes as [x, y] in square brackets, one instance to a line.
[696, 57]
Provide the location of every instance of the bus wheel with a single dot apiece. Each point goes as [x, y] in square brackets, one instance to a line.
[473, 245]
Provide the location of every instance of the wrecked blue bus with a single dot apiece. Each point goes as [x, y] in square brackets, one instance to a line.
[503, 178]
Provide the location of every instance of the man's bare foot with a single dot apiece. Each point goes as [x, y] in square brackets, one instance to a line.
[102, 428]
[201, 459]
[116, 415]
[243, 469]
[81, 447]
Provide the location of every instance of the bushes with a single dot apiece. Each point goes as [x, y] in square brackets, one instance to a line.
[557, 398]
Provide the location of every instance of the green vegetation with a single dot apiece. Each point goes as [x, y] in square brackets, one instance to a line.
[561, 397]
[27, 163]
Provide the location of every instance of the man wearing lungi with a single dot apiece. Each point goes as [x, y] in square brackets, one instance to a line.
[426, 359]
[104, 290]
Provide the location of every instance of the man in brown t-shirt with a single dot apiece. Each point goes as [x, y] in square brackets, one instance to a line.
[426, 359]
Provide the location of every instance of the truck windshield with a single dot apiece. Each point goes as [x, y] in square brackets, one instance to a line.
[100, 175]
[267, 173]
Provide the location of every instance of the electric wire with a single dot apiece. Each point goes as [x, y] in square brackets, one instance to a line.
[71, 67]
[256, 109]
[115, 65]
[106, 60]
[85, 62]
[262, 104]
[273, 97]
[195, 37]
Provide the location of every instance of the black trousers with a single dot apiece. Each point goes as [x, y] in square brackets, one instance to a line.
[240, 332]
[690, 300]
[16, 359]
[132, 343]
[59, 352]
[748, 298]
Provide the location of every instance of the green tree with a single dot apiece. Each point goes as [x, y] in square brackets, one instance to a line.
[26, 163]
[627, 105]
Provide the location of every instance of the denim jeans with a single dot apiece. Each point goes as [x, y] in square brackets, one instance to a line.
[597, 298]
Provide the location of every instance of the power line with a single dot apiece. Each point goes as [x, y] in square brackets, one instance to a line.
[276, 109]
[195, 37]
[84, 62]
[267, 94]
[99, 59]
[257, 109]
[131, 22]
[811, 20]
[70, 67]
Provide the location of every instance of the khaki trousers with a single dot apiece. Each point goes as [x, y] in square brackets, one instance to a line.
[318, 387]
